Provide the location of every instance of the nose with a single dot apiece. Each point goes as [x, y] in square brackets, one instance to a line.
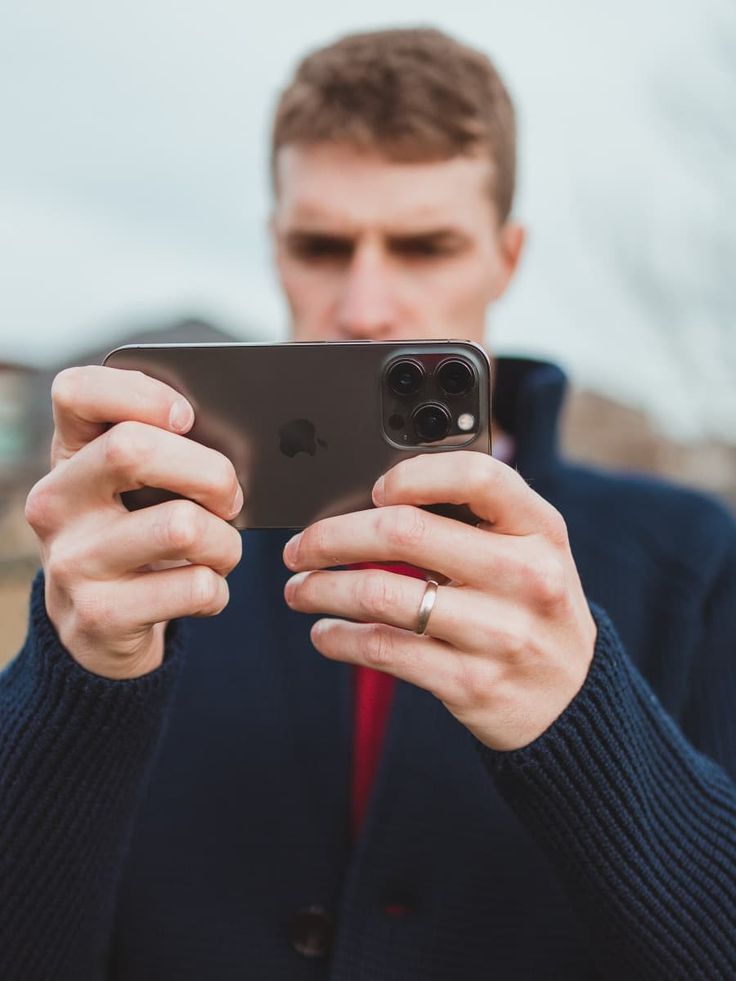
[366, 309]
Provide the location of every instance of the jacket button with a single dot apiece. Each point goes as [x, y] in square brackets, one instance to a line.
[312, 931]
[398, 905]
[397, 911]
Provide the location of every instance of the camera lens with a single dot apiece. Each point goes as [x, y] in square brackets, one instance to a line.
[405, 377]
[455, 377]
[431, 422]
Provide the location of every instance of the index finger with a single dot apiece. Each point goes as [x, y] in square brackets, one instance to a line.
[493, 491]
[87, 400]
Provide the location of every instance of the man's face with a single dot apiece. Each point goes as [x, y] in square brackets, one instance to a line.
[370, 249]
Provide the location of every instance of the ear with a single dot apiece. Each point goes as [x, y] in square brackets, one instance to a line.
[511, 241]
[275, 240]
[273, 237]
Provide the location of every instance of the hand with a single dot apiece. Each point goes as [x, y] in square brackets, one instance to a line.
[119, 430]
[510, 639]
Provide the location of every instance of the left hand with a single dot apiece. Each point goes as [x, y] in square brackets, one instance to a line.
[511, 637]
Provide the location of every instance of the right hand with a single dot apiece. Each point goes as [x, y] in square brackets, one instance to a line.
[114, 431]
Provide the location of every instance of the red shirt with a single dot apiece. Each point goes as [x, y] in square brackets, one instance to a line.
[373, 693]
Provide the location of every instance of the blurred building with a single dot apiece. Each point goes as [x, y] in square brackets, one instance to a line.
[16, 428]
[602, 432]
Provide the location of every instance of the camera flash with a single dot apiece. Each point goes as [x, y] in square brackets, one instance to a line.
[466, 421]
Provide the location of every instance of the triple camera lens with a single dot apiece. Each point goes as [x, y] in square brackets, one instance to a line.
[430, 421]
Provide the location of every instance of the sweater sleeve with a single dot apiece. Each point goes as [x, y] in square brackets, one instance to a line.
[640, 825]
[75, 751]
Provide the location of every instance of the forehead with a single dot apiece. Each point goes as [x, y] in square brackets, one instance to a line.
[334, 185]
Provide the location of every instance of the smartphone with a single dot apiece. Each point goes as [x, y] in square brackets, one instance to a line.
[310, 426]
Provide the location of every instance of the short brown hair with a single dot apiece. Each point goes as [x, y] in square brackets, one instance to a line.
[414, 95]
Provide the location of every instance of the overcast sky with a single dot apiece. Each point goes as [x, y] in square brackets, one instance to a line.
[133, 184]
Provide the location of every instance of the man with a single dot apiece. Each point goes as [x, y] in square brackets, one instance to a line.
[555, 794]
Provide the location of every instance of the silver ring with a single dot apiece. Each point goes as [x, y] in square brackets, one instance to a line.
[427, 605]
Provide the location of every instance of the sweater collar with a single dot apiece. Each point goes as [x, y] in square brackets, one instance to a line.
[527, 399]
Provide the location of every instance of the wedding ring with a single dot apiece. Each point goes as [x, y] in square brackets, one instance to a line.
[426, 606]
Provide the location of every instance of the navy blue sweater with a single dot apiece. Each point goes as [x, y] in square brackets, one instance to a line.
[173, 826]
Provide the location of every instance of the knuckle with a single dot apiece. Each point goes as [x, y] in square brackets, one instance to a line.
[478, 472]
[180, 526]
[405, 526]
[302, 592]
[379, 647]
[223, 597]
[40, 506]
[232, 477]
[546, 581]
[393, 480]
[514, 643]
[516, 646]
[121, 446]
[516, 640]
[378, 595]
[477, 682]
[205, 593]
[234, 549]
[316, 539]
[61, 568]
[65, 388]
[557, 527]
[307, 591]
[93, 615]
[479, 468]
[399, 478]
[222, 477]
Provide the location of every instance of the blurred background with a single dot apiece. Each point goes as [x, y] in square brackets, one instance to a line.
[134, 199]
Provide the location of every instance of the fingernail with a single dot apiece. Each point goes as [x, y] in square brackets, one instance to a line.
[379, 491]
[181, 416]
[322, 627]
[293, 583]
[292, 547]
[237, 501]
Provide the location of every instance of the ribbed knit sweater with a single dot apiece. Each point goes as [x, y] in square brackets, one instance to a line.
[172, 826]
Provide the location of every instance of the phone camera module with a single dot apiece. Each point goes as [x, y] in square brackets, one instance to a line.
[405, 377]
[455, 377]
[431, 422]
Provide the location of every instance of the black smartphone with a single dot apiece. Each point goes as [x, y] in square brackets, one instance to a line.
[310, 426]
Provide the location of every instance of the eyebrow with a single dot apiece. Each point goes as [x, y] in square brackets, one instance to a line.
[435, 236]
[431, 236]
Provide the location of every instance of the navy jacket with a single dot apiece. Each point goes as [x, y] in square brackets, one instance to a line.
[193, 823]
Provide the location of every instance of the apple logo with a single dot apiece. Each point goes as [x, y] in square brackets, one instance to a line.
[299, 436]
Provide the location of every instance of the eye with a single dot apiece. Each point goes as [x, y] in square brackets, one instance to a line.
[424, 247]
[317, 247]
